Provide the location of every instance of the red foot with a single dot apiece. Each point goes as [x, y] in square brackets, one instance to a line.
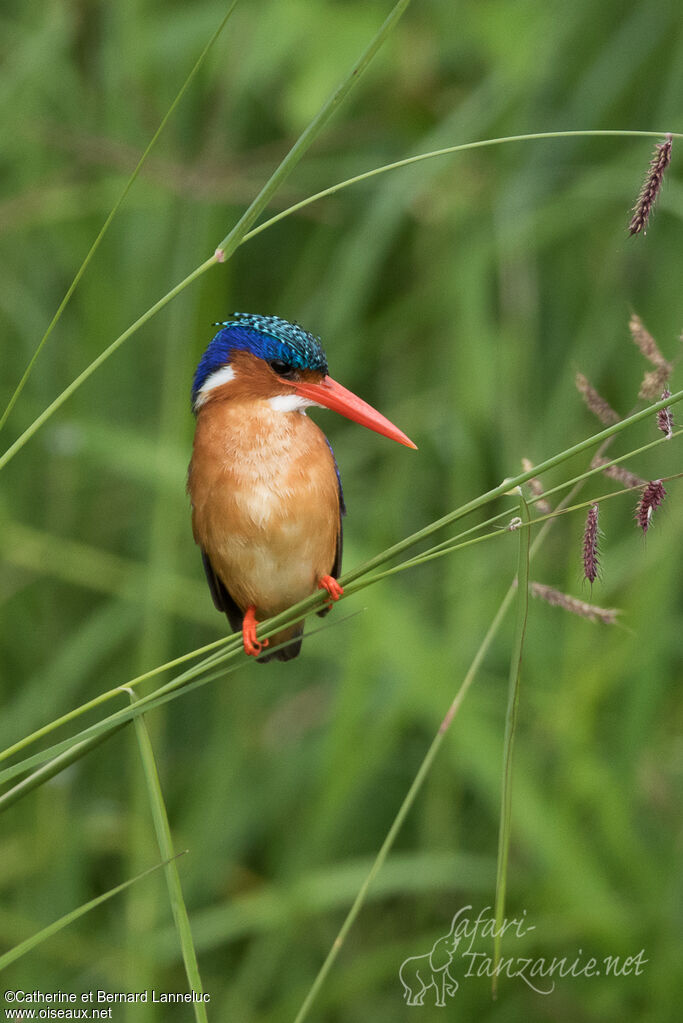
[252, 646]
[332, 586]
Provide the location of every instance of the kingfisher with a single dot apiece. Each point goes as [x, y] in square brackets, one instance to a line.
[264, 485]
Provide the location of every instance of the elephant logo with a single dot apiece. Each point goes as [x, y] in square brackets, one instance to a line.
[420, 973]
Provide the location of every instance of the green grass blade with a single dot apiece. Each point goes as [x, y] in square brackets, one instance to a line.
[409, 800]
[233, 238]
[308, 136]
[89, 737]
[433, 154]
[165, 841]
[510, 728]
[23, 947]
[58, 758]
[114, 210]
[97, 701]
[423, 772]
[29, 432]
[64, 753]
[509, 484]
[404, 809]
[446, 547]
[456, 542]
[232, 647]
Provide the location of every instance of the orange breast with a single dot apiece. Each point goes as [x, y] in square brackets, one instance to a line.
[265, 502]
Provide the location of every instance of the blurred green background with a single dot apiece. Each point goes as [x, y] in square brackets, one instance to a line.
[459, 296]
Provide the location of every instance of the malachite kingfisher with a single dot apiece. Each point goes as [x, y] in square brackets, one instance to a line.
[266, 494]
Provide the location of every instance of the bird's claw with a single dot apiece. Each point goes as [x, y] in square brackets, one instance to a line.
[332, 586]
[252, 645]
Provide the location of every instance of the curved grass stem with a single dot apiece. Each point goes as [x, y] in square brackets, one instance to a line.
[11, 956]
[97, 701]
[232, 239]
[235, 237]
[223, 650]
[431, 753]
[522, 600]
[114, 210]
[463, 147]
[166, 850]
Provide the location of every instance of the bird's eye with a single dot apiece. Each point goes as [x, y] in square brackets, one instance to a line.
[283, 369]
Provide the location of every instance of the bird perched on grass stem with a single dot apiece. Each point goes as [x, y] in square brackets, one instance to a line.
[266, 495]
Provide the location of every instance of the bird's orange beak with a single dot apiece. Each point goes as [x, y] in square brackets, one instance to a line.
[332, 395]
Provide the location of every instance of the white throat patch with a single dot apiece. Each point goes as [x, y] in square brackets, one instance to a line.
[289, 403]
[222, 376]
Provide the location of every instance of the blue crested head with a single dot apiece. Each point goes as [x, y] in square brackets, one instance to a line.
[267, 337]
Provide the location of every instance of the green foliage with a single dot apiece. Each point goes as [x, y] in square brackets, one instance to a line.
[459, 295]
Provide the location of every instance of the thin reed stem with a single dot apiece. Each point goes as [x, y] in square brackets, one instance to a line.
[11, 956]
[430, 756]
[165, 843]
[446, 151]
[229, 245]
[225, 650]
[114, 210]
[522, 602]
[235, 236]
